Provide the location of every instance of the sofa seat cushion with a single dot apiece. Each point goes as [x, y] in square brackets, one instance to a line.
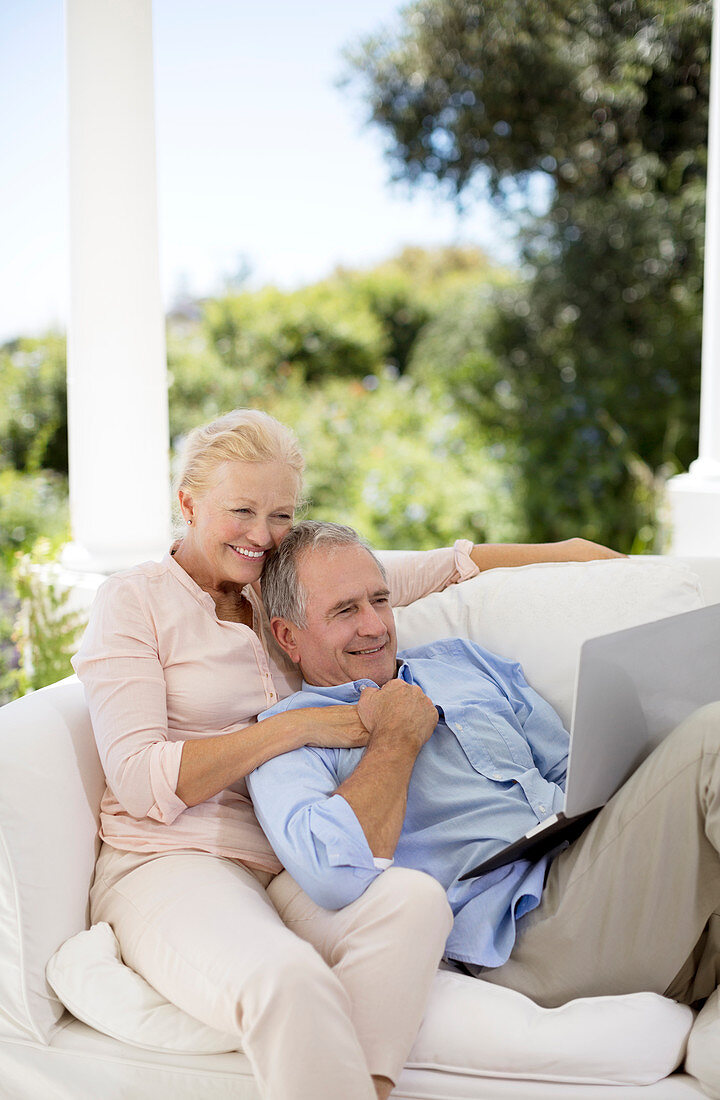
[470, 1027]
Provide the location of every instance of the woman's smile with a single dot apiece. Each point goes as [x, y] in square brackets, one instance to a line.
[246, 552]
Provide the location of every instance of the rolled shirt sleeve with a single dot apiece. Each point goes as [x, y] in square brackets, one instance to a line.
[313, 831]
[119, 666]
[413, 574]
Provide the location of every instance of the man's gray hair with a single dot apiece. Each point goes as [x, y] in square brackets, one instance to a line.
[283, 594]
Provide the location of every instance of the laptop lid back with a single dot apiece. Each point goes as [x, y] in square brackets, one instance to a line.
[633, 687]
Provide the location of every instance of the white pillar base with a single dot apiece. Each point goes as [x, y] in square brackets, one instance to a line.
[77, 559]
[694, 504]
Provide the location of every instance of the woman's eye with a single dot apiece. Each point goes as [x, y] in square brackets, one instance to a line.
[241, 511]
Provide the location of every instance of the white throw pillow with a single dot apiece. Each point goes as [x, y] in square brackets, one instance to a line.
[470, 1026]
[540, 615]
[473, 1027]
[90, 978]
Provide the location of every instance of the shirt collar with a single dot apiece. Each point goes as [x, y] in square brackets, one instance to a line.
[351, 692]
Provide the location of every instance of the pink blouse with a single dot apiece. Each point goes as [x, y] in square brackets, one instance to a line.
[159, 668]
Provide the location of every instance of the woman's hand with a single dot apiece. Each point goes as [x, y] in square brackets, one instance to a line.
[210, 764]
[583, 550]
[336, 727]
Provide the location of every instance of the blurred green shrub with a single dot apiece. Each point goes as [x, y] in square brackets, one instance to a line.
[399, 463]
[33, 411]
[46, 629]
[31, 505]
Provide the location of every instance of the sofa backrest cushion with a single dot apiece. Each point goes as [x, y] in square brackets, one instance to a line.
[51, 783]
[540, 615]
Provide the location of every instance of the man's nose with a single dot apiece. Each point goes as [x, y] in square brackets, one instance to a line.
[370, 622]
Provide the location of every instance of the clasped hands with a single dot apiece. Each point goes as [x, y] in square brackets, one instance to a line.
[397, 713]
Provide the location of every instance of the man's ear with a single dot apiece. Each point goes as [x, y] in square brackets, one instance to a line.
[285, 636]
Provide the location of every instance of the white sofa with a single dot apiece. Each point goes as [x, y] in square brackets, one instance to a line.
[476, 1043]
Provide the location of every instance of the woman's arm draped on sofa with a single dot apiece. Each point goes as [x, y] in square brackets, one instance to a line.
[413, 574]
[508, 554]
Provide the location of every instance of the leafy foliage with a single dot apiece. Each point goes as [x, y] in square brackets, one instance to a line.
[33, 412]
[31, 505]
[596, 359]
[47, 628]
[393, 460]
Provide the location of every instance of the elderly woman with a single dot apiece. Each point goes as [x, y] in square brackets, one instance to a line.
[177, 662]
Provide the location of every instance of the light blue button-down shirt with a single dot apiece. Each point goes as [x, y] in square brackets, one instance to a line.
[493, 768]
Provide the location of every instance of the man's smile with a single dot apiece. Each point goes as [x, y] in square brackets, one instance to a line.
[368, 652]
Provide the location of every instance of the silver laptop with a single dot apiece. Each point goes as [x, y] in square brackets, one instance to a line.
[632, 688]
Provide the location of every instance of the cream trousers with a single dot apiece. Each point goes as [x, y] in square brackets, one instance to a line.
[321, 1000]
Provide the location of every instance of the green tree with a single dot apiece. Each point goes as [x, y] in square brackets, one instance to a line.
[397, 462]
[595, 360]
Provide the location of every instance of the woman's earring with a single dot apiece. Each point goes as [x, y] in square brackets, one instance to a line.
[189, 522]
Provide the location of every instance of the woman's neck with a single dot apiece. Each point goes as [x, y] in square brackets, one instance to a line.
[230, 604]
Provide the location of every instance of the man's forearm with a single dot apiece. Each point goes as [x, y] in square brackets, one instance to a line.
[377, 793]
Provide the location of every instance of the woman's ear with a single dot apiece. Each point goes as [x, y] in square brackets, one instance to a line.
[187, 506]
[285, 636]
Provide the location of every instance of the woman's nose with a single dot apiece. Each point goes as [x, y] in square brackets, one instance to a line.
[259, 532]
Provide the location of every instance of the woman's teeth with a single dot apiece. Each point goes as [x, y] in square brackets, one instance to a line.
[252, 555]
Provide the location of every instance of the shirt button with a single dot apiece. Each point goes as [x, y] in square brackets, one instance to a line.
[460, 729]
[541, 809]
[497, 775]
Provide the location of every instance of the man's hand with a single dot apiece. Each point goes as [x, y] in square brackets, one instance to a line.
[398, 713]
[400, 719]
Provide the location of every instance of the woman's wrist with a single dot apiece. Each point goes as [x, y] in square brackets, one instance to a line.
[336, 726]
[285, 732]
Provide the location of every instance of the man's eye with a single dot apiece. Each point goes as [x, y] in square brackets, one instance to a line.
[242, 511]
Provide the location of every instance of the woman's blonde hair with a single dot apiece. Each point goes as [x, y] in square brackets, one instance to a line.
[244, 435]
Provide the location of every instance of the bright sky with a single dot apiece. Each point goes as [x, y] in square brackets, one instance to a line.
[260, 156]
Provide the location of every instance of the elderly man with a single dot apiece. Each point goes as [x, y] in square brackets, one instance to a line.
[463, 757]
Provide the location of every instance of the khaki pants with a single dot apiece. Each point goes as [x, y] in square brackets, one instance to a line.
[319, 1011]
[633, 904]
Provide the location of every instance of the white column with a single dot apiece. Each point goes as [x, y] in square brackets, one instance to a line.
[117, 388]
[694, 497]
